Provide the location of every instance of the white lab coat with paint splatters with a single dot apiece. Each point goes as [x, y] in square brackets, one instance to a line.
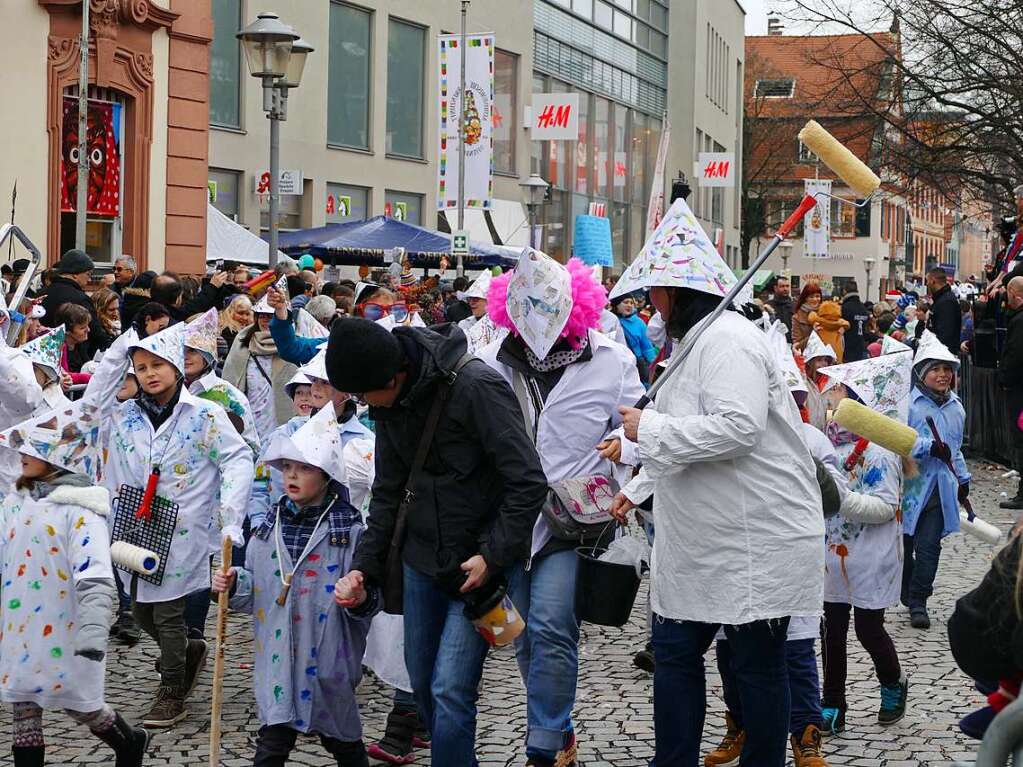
[736, 500]
[47, 546]
[309, 651]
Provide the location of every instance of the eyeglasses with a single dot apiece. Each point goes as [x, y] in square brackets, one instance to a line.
[374, 311]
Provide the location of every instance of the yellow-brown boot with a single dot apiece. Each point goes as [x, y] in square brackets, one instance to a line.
[807, 751]
[728, 751]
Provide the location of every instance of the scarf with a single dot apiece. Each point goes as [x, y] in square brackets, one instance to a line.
[158, 413]
[261, 344]
[554, 360]
[41, 488]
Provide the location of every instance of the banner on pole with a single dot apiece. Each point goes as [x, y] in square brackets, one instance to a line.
[478, 128]
[817, 223]
[655, 208]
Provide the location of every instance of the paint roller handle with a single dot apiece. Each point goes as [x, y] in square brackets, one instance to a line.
[809, 203]
[946, 458]
[146, 507]
[857, 453]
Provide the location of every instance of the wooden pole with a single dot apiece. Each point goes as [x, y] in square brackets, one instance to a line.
[218, 661]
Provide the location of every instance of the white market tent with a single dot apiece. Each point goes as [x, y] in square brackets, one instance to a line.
[230, 241]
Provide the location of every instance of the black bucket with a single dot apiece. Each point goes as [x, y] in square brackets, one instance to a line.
[604, 591]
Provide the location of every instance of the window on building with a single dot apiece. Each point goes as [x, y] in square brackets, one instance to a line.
[863, 219]
[222, 186]
[843, 219]
[348, 84]
[289, 213]
[404, 206]
[225, 65]
[697, 197]
[805, 154]
[603, 14]
[781, 89]
[557, 153]
[620, 158]
[638, 143]
[602, 147]
[506, 86]
[622, 25]
[659, 16]
[346, 203]
[583, 154]
[406, 61]
[717, 198]
[583, 7]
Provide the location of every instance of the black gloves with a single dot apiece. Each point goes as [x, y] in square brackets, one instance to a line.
[941, 451]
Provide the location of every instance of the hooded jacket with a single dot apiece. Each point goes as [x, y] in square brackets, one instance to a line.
[482, 485]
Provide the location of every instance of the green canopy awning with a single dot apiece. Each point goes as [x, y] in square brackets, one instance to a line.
[760, 278]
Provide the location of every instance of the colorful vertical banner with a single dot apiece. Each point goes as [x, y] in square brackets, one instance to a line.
[655, 208]
[817, 223]
[104, 147]
[478, 128]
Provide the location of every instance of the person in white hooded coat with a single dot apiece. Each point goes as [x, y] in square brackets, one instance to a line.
[735, 501]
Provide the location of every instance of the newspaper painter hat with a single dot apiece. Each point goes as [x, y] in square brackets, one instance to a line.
[882, 383]
[317, 366]
[68, 437]
[891, 345]
[539, 301]
[168, 344]
[308, 326]
[677, 255]
[479, 287]
[281, 286]
[931, 349]
[815, 347]
[201, 334]
[783, 354]
[316, 442]
[45, 350]
[299, 379]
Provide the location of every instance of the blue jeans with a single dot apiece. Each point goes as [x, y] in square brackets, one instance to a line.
[444, 655]
[804, 685]
[680, 689]
[923, 550]
[548, 650]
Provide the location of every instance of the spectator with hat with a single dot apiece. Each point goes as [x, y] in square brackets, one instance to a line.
[74, 270]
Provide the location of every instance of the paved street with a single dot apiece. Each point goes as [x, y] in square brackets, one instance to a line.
[614, 712]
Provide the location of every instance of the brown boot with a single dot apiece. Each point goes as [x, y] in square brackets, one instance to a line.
[727, 753]
[807, 752]
[167, 710]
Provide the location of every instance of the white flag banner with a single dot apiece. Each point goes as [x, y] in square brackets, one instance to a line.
[655, 208]
[817, 223]
[478, 128]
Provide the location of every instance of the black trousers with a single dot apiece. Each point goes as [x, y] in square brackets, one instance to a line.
[275, 742]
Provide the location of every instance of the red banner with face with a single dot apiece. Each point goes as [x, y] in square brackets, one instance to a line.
[104, 157]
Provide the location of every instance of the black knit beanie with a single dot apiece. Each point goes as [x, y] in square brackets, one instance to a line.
[361, 356]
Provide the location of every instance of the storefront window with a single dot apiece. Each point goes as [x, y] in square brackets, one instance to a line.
[404, 206]
[346, 203]
[620, 159]
[289, 213]
[583, 154]
[602, 145]
[506, 86]
[225, 64]
[348, 77]
[406, 59]
[638, 140]
[222, 186]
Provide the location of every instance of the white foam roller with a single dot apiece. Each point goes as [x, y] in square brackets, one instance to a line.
[978, 528]
[134, 558]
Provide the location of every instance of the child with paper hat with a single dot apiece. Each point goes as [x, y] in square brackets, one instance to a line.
[309, 650]
[476, 297]
[299, 388]
[816, 355]
[188, 450]
[930, 502]
[58, 585]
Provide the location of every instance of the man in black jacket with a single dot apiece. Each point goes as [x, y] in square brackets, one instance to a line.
[74, 270]
[781, 302]
[946, 319]
[857, 315]
[1010, 377]
[472, 507]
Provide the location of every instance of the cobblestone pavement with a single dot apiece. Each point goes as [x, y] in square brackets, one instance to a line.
[614, 709]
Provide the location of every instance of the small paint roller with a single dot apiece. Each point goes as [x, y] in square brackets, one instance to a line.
[134, 558]
[837, 156]
[978, 528]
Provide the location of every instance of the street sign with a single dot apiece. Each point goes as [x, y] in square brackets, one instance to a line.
[460, 242]
[715, 169]
[555, 117]
[290, 182]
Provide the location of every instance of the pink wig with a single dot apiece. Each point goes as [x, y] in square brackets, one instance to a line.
[588, 301]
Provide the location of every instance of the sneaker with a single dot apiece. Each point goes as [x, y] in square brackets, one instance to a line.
[644, 659]
[975, 724]
[566, 757]
[834, 720]
[195, 662]
[167, 710]
[893, 701]
[918, 618]
[728, 751]
[1013, 503]
[807, 751]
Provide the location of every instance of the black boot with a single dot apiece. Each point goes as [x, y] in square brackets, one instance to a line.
[396, 745]
[644, 659]
[129, 743]
[29, 756]
[347, 753]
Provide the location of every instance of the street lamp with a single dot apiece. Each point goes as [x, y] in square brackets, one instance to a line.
[270, 54]
[786, 251]
[533, 189]
[868, 265]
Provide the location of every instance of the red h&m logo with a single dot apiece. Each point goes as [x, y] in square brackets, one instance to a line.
[716, 169]
[552, 117]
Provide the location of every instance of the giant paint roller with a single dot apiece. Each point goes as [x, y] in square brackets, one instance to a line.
[847, 167]
[900, 438]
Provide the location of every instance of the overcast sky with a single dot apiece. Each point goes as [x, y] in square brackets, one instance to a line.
[756, 16]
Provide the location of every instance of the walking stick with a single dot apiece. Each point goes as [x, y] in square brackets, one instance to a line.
[218, 660]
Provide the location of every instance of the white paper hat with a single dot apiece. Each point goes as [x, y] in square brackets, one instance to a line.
[389, 323]
[361, 288]
[201, 333]
[317, 442]
[299, 379]
[281, 286]
[882, 383]
[783, 354]
[483, 333]
[46, 349]
[480, 286]
[308, 326]
[168, 344]
[930, 348]
[68, 437]
[815, 347]
[891, 345]
[539, 300]
[317, 366]
[678, 255]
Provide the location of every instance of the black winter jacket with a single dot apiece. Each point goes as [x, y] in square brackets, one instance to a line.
[856, 314]
[946, 319]
[66, 291]
[482, 485]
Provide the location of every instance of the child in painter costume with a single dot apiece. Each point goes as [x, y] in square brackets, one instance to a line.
[816, 355]
[930, 505]
[201, 465]
[308, 649]
[58, 588]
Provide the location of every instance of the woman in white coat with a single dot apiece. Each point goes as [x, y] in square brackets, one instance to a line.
[735, 499]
